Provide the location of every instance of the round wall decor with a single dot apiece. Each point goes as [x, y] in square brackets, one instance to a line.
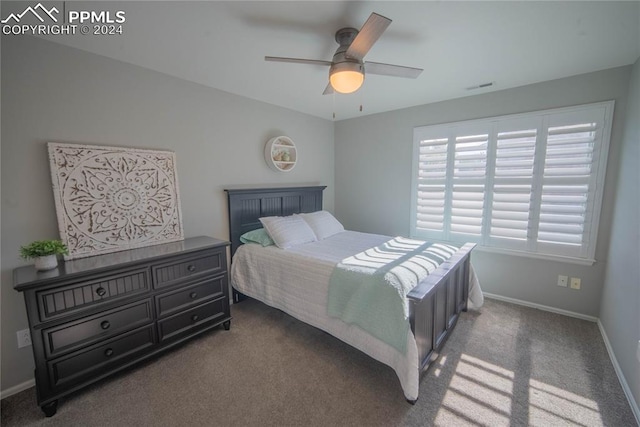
[280, 154]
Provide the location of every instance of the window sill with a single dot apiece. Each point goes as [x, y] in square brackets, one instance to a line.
[557, 258]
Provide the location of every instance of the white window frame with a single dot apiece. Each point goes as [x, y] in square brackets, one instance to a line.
[542, 120]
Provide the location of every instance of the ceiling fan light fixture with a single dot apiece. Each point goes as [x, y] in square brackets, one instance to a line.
[346, 77]
[346, 72]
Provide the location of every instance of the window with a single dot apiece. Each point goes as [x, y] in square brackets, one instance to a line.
[530, 182]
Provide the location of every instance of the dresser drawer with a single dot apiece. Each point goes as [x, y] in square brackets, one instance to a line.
[174, 301]
[74, 335]
[209, 262]
[103, 357]
[193, 319]
[89, 293]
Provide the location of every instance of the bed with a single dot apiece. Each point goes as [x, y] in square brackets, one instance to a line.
[298, 281]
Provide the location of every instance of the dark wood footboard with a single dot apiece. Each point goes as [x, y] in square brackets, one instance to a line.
[436, 303]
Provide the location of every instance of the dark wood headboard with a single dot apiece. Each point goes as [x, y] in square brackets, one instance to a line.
[247, 205]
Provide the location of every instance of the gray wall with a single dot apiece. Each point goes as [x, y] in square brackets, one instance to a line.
[620, 309]
[373, 170]
[55, 93]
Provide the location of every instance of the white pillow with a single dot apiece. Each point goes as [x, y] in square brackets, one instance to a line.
[323, 224]
[288, 231]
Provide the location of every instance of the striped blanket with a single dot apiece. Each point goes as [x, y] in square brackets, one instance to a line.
[370, 289]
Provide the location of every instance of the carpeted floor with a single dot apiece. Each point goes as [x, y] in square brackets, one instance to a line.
[506, 365]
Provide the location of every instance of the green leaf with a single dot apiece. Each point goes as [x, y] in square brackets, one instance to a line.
[43, 248]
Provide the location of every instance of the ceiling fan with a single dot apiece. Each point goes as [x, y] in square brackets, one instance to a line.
[347, 69]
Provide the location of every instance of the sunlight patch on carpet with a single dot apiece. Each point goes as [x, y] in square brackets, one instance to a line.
[480, 390]
[553, 405]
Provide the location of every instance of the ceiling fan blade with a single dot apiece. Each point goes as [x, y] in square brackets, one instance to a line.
[297, 60]
[328, 90]
[367, 36]
[391, 70]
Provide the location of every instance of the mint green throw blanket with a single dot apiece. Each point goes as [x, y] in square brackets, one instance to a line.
[370, 289]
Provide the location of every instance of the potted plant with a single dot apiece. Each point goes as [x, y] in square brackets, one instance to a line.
[44, 252]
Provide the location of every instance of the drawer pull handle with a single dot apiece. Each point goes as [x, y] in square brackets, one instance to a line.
[101, 291]
[105, 324]
[191, 268]
[193, 295]
[108, 352]
[194, 318]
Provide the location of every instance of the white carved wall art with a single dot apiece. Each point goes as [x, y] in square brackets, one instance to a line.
[110, 199]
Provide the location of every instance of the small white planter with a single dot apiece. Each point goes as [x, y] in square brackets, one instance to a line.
[45, 263]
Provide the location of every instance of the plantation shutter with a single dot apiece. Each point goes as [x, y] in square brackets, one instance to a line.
[432, 177]
[512, 184]
[530, 182]
[468, 185]
[568, 183]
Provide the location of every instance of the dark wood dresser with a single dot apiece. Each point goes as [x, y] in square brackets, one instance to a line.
[92, 317]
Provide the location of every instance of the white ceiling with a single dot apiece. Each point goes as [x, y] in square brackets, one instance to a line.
[459, 45]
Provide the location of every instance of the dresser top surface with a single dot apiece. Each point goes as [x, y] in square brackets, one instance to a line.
[25, 277]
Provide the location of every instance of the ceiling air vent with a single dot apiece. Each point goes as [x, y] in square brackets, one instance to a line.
[481, 86]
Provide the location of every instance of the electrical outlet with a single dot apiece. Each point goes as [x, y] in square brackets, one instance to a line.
[575, 283]
[562, 281]
[24, 338]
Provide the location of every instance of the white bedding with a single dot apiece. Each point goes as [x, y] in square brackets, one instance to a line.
[296, 281]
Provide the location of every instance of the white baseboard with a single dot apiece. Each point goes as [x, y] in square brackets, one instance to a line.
[541, 307]
[621, 378]
[17, 388]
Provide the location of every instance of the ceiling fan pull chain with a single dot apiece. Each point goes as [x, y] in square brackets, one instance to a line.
[333, 96]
